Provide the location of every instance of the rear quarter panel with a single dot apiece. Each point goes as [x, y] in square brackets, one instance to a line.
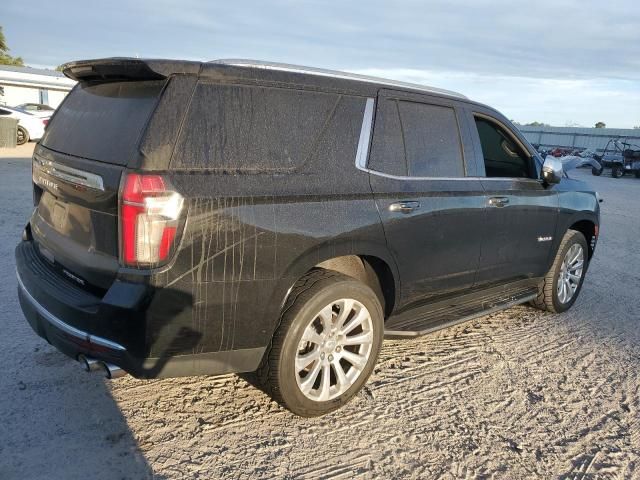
[240, 255]
[250, 236]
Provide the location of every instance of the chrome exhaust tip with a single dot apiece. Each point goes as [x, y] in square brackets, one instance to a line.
[89, 364]
[113, 371]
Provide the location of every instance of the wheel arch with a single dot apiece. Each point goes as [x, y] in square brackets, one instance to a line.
[589, 229]
[368, 262]
[370, 270]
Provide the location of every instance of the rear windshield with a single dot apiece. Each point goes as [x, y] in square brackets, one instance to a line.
[103, 122]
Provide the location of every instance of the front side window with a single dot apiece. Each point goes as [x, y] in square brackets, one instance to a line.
[503, 157]
[416, 140]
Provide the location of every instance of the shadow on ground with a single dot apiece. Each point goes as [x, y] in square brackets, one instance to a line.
[56, 420]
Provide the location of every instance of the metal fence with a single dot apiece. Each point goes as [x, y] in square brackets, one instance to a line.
[575, 137]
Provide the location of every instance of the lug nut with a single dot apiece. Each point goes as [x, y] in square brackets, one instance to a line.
[322, 356]
[338, 348]
[331, 358]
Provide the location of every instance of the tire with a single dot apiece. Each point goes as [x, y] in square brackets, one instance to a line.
[283, 370]
[617, 171]
[637, 173]
[549, 296]
[23, 136]
[596, 171]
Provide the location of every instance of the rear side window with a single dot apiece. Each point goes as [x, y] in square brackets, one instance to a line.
[431, 140]
[103, 122]
[238, 128]
[387, 148]
[417, 140]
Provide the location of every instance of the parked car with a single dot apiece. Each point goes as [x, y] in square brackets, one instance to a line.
[237, 216]
[30, 127]
[36, 109]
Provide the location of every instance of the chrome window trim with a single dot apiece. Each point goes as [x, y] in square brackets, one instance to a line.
[365, 135]
[73, 331]
[405, 178]
[69, 174]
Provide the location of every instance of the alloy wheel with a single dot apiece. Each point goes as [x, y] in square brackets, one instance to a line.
[334, 350]
[570, 273]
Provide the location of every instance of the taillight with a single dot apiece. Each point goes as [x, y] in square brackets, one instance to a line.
[45, 122]
[149, 217]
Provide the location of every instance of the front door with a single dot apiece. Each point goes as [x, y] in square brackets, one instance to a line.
[521, 212]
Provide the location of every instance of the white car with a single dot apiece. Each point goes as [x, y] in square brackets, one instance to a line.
[30, 127]
[36, 109]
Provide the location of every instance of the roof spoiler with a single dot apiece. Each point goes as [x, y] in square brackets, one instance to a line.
[126, 69]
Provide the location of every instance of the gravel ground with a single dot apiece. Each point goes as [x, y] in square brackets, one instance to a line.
[518, 394]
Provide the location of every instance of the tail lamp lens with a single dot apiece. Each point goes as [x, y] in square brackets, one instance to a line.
[149, 214]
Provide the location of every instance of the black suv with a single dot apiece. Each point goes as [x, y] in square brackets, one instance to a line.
[238, 216]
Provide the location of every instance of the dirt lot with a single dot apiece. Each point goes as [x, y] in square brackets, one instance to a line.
[518, 394]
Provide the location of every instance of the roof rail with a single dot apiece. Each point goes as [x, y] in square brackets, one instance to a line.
[285, 67]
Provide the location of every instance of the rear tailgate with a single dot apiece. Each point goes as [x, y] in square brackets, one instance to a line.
[77, 170]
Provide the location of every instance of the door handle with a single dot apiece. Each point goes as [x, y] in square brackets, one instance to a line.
[498, 202]
[404, 207]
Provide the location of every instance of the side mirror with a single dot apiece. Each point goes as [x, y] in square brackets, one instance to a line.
[552, 170]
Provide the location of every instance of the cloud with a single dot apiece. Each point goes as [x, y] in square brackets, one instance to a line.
[527, 99]
[513, 43]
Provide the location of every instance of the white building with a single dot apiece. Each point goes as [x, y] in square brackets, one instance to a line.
[32, 85]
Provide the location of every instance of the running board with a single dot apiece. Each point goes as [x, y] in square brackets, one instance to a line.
[446, 313]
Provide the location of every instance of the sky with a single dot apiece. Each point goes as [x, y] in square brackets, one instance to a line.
[561, 62]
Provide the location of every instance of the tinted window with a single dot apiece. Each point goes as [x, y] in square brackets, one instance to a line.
[387, 148]
[431, 140]
[103, 122]
[253, 129]
[502, 157]
[417, 140]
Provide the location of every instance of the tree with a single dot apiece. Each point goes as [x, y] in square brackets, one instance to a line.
[5, 58]
[537, 124]
[601, 125]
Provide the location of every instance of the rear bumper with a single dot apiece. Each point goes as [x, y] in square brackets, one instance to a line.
[61, 335]
[110, 329]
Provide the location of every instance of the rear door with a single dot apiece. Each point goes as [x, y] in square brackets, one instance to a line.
[521, 212]
[431, 212]
[77, 169]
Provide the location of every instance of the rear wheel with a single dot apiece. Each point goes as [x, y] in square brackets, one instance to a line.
[562, 284]
[617, 171]
[596, 171]
[23, 136]
[326, 346]
[637, 173]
